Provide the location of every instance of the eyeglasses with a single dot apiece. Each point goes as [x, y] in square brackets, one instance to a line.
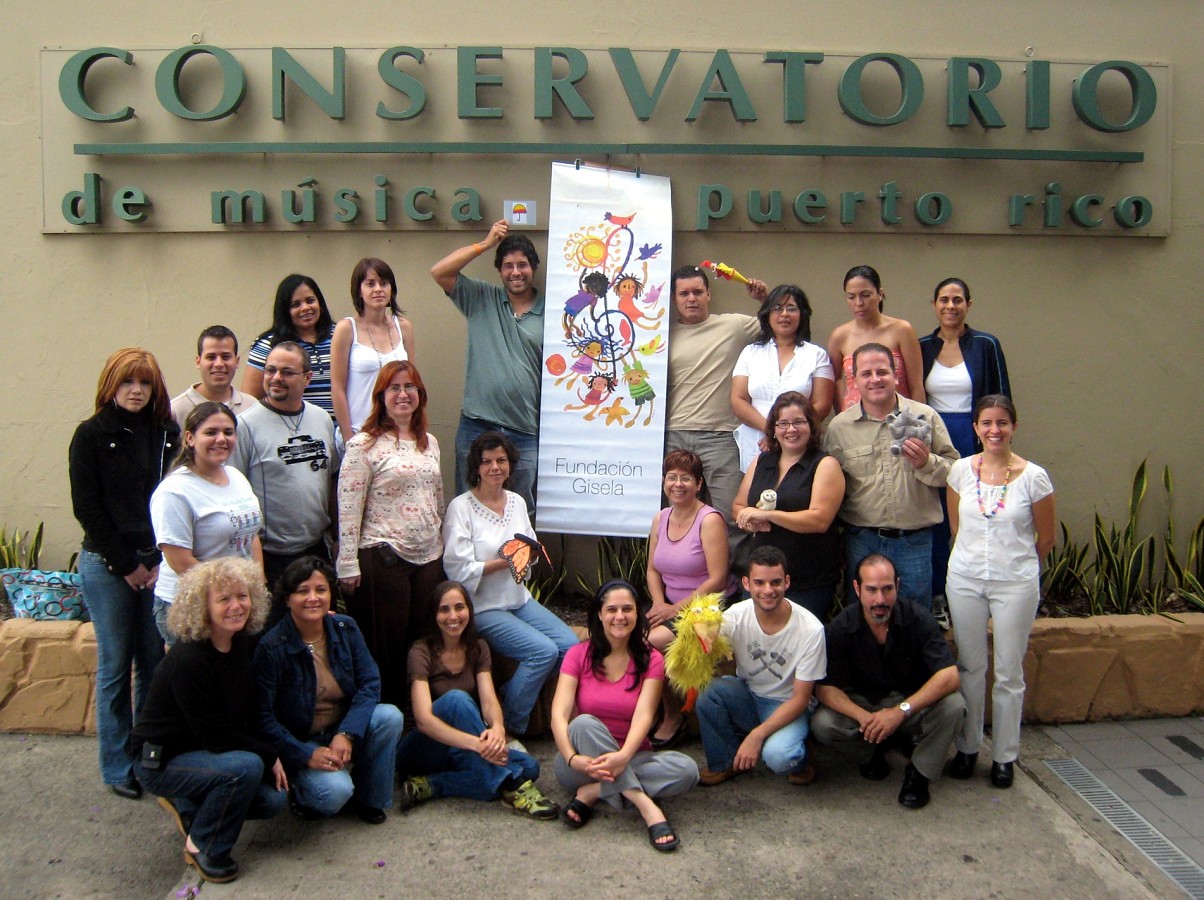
[790, 308]
[397, 388]
[796, 424]
[272, 372]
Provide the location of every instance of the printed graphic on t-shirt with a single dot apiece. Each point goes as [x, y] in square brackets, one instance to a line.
[765, 660]
[304, 448]
[246, 524]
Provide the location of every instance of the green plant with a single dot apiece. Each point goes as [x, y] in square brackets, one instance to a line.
[620, 557]
[1063, 580]
[544, 584]
[19, 551]
[1185, 580]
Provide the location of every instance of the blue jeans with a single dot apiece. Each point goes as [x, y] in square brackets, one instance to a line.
[537, 640]
[371, 775]
[160, 610]
[727, 711]
[453, 772]
[961, 432]
[911, 554]
[126, 637]
[522, 476]
[217, 792]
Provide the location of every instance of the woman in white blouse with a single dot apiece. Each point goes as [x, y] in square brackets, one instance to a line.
[479, 522]
[781, 359]
[391, 524]
[1001, 511]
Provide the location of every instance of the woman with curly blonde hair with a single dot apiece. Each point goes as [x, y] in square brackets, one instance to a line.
[195, 741]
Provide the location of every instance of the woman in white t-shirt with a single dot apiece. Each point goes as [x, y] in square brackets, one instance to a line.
[203, 509]
[781, 359]
[1001, 511]
[377, 334]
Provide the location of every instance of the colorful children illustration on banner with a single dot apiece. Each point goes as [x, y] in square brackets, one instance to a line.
[614, 317]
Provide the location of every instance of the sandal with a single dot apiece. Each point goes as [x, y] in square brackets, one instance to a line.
[672, 740]
[583, 812]
[660, 830]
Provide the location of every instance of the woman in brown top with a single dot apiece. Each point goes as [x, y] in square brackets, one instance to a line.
[459, 748]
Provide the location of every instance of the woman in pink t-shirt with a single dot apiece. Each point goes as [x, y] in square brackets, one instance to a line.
[614, 682]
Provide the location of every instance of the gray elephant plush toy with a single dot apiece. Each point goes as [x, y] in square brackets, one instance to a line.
[905, 424]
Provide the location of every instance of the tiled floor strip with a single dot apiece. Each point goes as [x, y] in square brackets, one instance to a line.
[1176, 864]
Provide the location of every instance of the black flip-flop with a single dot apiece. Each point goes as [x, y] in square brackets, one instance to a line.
[660, 830]
[583, 812]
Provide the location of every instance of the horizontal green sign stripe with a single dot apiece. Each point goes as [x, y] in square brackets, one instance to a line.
[560, 149]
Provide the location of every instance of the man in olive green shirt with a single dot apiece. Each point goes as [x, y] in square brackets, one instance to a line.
[890, 502]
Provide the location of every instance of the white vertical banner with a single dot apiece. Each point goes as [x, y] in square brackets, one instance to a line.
[605, 351]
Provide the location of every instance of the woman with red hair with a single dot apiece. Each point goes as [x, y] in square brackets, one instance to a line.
[391, 524]
[117, 458]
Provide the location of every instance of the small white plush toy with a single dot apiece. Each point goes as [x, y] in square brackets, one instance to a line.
[769, 500]
[906, 424]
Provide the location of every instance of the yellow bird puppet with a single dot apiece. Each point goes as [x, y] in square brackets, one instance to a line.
[691, 659]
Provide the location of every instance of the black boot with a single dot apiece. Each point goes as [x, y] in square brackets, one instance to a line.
[914, 794]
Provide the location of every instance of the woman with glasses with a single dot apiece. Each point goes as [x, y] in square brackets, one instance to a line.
[782, 358]
[801, 520]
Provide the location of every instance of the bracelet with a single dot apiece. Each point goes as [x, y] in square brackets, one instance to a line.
[571, 758]
[480, 248]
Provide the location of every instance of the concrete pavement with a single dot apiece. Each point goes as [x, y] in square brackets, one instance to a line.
[64, 835]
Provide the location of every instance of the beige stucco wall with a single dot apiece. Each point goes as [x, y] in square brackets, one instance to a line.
[1102, 334]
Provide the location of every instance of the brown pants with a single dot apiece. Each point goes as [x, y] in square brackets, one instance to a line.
[394, 606]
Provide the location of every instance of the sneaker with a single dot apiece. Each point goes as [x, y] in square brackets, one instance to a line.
[940, 612]
[414, 791]
[516, 744]
[528, 799]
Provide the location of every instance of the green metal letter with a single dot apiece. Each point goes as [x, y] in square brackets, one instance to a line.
[807, 201]
[910, 80]
[468, 79]
[410, 204]
[235, 203]
[546, 83]
[642, 103]
[1036, 96]
[1133, 212]
[284, 66]
[468, 207]
[407, 84]
[1086, 96]
[167, 84]
[794, 93]
[731, 89]
[964, 99]
[129, 204]
[75, 72]
[708, 210]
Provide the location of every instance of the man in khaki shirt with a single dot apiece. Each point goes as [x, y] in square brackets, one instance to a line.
[890, 502]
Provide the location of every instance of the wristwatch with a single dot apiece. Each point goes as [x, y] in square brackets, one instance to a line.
[905, 708]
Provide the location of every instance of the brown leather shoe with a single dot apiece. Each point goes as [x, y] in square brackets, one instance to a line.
[806, 775]
[707, 778]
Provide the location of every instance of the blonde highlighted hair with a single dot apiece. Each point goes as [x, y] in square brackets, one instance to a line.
[133, 362]
[188, 618]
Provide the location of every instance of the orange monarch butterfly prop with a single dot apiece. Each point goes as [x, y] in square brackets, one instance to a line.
[523, 554]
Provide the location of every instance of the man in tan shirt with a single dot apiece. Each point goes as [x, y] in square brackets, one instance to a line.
[890, 502]
[703, 349]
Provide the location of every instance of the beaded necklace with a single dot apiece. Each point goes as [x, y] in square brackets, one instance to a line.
[982, 507]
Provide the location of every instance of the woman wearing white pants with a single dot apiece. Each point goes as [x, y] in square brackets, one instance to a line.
[1001, 513]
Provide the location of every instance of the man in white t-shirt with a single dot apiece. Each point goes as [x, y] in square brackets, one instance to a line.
[217, 361]
[763, 711]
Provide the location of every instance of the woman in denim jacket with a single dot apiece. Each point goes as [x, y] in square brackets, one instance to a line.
[320, 701]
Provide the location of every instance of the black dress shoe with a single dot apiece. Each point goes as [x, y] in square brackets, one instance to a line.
[131, 790]
[212, 869]
[914, 794]
[1001, 774]
[369, 814]
[302, 812]
[877, 768]
[962, 765]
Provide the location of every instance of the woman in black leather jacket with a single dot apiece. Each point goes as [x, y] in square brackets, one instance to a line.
[117, 457]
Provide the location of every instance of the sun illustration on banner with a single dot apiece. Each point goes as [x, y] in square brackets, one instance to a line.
[614, 315]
